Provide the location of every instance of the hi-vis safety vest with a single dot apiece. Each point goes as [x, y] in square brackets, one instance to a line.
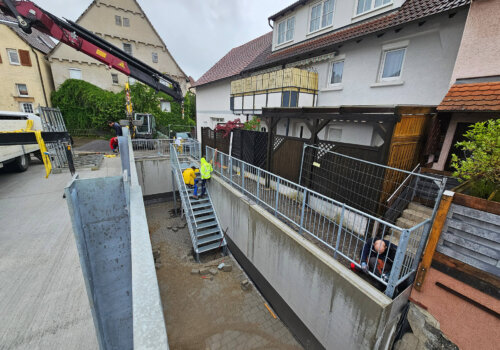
[205, 169]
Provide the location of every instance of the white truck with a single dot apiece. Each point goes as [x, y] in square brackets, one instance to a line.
[18, 157]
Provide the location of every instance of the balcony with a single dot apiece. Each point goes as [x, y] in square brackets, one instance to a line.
[291, 87]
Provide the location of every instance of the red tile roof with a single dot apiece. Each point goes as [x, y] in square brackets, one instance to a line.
[411, 10]
[236, 60]
[482, 97]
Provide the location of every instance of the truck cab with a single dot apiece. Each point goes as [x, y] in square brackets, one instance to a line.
[18, 157]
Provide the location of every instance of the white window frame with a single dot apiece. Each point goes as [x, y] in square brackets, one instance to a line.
[388, 48]
[113, 75]
[21, 107]
[125, 21]
[320, 28]
[19, 91]
[372, 7]
[330, 72]
[165, 106]
[285, 23]
[131, 51]
[118, 20]
[18, 63]
[154, 57]
[75, 70]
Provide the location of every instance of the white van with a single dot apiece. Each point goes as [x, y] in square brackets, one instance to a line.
[18, 157]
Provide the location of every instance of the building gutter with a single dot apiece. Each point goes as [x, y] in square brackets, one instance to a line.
[41, 78]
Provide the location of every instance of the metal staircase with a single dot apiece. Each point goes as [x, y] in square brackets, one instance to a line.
[203, 224]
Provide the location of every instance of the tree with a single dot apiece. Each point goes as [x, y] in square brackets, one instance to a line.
[482, 164]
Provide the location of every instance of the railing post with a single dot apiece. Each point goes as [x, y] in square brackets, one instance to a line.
[158, 147]
[258, 183]
[398, 263]
[231, 170]
[277, 197]
[303, 210]
[302, 161]
[243, 176]
[339, 232]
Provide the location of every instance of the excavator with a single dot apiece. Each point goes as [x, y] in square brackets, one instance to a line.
[29, 15]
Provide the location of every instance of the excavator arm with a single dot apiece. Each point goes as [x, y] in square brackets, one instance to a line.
[29, 15]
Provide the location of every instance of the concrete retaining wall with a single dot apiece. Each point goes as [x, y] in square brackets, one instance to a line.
[322, 302]
[154, 175]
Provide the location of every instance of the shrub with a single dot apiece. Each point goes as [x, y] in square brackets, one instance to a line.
[482, 164]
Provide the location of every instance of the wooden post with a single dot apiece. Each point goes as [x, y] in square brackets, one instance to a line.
[430, 249]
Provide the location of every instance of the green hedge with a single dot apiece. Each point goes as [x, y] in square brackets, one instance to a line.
[86, 106]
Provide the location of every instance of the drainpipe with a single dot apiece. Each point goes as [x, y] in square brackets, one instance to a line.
[269, 22]
[41, 78]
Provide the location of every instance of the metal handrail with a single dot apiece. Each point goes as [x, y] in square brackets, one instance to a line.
[173, 155]
[405, 260]
[402, 183]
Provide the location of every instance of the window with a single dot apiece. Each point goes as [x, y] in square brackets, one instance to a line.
[334, 134]
[165, 106]
[22, 89]
[285, 30]
[26, 107]
[127, 48]
[368, 5]
[75, 73]
[392, 64]
[118, 20]
[13, 57]
[155, 57]
[126, 22]
[114, 78]
[290, 99]
[337, 72]
[321, 15]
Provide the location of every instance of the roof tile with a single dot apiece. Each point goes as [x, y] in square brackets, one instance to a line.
[472, 97]
[411, 10]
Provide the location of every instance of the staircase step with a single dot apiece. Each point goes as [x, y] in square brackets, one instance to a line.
[207, 224]
[203, 212]
[405, 223]
[202, 205]
[205, 218]
[413, 215]
[202, 233]
[209, 239]
[394, 239]
[212, 246]
[420, 208]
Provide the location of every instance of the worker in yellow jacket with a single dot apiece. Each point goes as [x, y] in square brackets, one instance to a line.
[189, 175]
[206, 172]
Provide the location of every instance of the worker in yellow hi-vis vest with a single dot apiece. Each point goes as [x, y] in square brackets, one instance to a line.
[189, 175]
[206, 172]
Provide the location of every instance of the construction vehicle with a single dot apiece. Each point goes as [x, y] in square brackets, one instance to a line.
[29, 15]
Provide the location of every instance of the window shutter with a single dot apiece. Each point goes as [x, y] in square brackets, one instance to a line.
[24, 56]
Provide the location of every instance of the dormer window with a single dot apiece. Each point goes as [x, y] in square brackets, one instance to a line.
[321, 15]
[285, 30]
[368, 5]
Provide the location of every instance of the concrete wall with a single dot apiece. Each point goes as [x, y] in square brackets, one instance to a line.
[100, 19]
[212, 101]
[154, 175]
[480, 47]
[344, 13]
[17, 74]
[337, 308]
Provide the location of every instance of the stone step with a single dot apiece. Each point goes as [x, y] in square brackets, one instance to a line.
[420, 208]
[405, 223]
[415, 216]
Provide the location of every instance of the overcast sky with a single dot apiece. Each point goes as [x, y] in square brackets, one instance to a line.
[197, 32]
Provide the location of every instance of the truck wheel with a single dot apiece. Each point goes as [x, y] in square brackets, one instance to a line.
[21, 163]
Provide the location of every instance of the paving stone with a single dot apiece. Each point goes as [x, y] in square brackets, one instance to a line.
[204, 271]
[213, 271]
[227, 268]
[195, 272]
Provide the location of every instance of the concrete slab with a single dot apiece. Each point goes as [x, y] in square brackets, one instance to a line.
[43, 301]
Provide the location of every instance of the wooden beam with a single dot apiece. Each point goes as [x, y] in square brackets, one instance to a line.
[437, 227]
[477, 203]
